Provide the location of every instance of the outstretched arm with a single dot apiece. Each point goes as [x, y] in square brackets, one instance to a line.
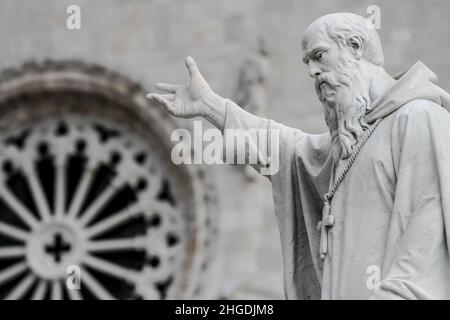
[193, 99]
[256, 138]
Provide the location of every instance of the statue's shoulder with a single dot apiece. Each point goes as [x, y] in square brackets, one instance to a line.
[421, 109]
[423, 115]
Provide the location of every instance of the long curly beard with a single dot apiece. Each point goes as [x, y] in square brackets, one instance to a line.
[345, 98]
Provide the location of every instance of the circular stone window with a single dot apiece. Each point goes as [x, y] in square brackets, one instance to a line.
[91, 206]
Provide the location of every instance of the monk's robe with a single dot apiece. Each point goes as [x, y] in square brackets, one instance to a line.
[392, 210]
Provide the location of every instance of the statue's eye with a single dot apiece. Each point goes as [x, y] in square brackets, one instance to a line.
[319, 55]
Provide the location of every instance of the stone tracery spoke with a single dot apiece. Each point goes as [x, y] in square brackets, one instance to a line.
[97, 205]
[13, 232]
[56, 292]
[39, 292]
[38, 195]
[111, 222]
[21, 288]
[11, 272]
[80, 193]
[21, 211]
[111, 269]
[96, 288]
[135, 243]
[9, 252]
[74, 294]
[60, 191]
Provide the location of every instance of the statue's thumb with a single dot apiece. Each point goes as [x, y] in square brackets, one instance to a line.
[192, 67]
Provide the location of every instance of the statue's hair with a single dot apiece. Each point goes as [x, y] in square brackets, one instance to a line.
[341, 26]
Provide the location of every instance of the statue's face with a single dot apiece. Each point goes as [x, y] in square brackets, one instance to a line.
[341, 88]
[325, 61]
[321, 56]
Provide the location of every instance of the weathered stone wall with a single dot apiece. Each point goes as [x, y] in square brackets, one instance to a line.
[147, 41]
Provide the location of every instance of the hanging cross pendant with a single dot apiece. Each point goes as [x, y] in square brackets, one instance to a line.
[326, 223]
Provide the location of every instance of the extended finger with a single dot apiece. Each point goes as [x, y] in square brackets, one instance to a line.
[168, 96]
[166, 87]
[192, 66]
[162, 100]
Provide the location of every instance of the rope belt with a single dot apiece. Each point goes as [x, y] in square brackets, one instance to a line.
[327, 221]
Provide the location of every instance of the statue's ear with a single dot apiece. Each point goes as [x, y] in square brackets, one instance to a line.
[356, 46]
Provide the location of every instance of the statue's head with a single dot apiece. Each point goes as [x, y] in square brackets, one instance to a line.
[341, 50]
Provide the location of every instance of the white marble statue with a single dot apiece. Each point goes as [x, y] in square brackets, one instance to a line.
[363, 209]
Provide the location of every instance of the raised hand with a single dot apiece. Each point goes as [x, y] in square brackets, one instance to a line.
[187, 100]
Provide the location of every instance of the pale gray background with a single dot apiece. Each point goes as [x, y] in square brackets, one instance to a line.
[147, 41]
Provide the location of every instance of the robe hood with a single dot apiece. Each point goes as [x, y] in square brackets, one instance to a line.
[418, 82]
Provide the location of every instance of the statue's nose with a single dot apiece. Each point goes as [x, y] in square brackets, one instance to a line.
[314, 70]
